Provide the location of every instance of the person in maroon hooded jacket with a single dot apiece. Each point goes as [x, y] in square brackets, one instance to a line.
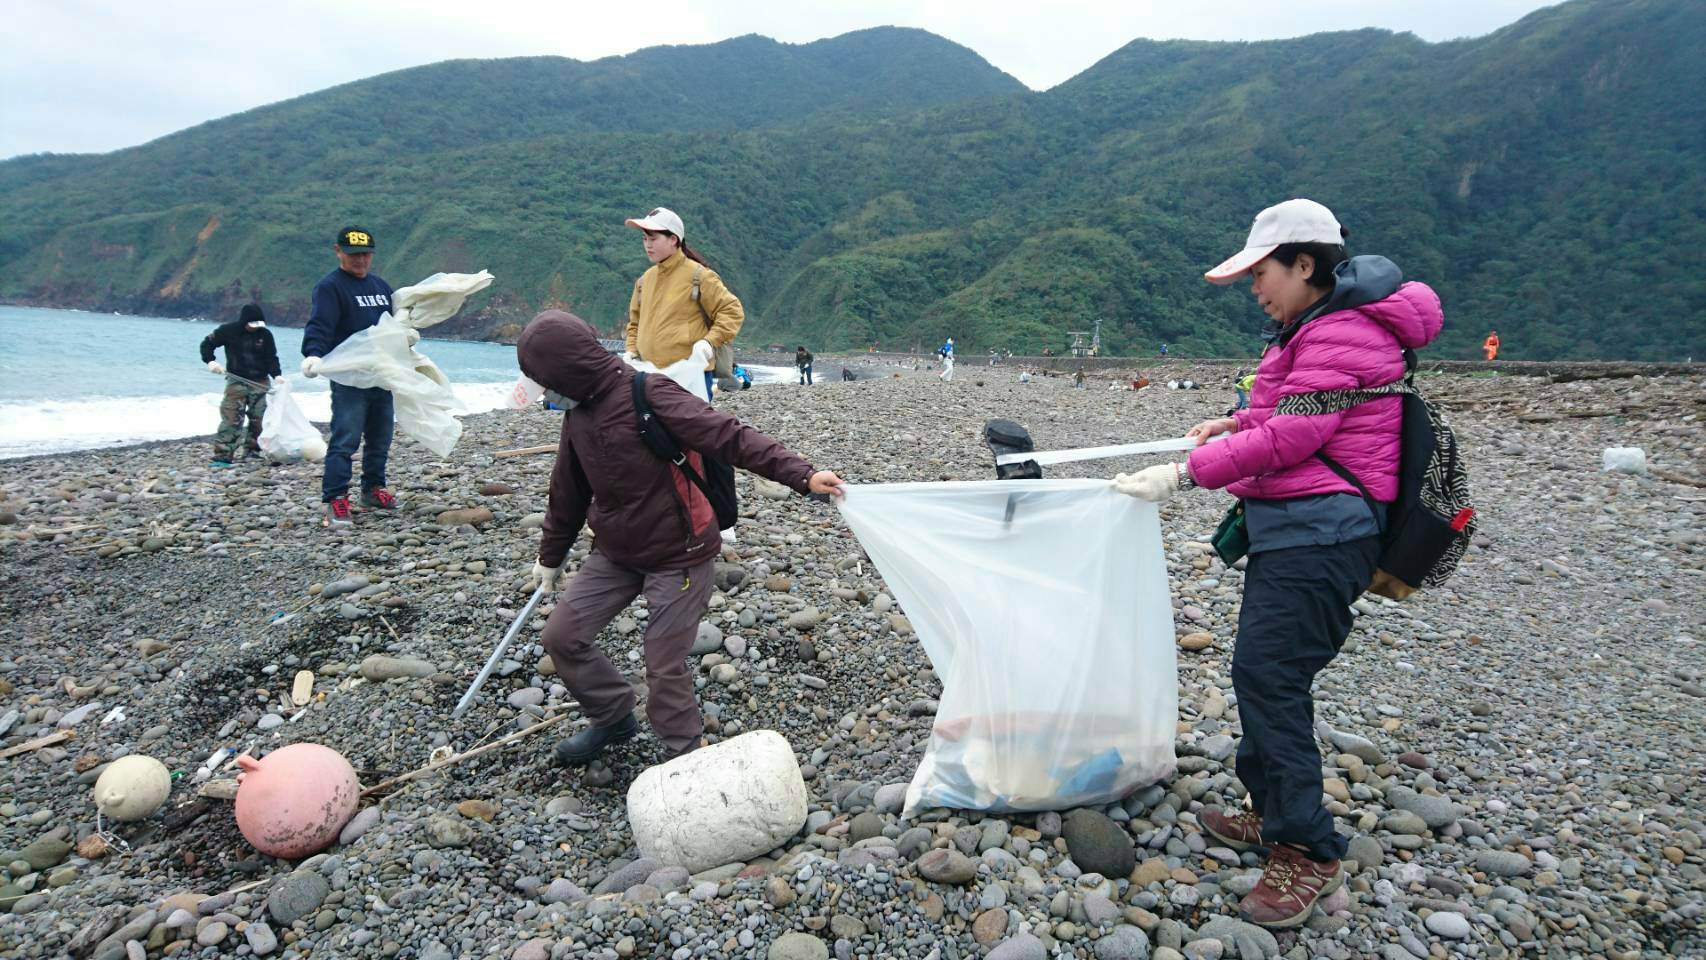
[656, 532]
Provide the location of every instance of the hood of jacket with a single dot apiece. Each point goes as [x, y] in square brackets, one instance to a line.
[1374, 287]
[560, 352]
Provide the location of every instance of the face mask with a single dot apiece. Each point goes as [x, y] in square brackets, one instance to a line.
[258, 325]
[557, 399]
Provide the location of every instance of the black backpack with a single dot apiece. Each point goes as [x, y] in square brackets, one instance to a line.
[1429, 526]
[718, 483]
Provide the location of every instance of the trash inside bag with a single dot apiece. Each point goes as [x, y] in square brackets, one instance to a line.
[437, 298]
[1043, 606]
[286, 434]
[380, 356]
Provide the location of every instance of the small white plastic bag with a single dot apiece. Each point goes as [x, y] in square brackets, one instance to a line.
[1044, 608]
[286, 434]
[437, 298]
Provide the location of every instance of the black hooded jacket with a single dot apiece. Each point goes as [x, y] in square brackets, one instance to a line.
[250, 354]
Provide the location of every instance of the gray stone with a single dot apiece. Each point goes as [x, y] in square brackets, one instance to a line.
[338, 588]
[261, 938]
[526, 697]
[865, 826]
[668, 878]
[1366, 851]
[1436, 812]
[890, 799]
[798, 946]
[1503, 863]
[443, 831]
[947, 866]
[1123, 943]
[363, 821]
[1098, 844]
[628, 876]
[1360, 747]
[708, 639]
[213, 934]
[44, 853]
[1025, 946]
[562, 890]
[1404, 822]
[1444, 923]
[1229, 930]
[296, 896]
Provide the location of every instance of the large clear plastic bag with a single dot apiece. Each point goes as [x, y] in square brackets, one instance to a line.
[437, 298]
[1043, 606]
[380, 356]
[286, 434]
[689, 373]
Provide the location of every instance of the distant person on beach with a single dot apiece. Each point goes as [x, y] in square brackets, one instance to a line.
[803, 361]
[743, 375]
[345, 301]
[947, 373]
[1163, 351]
[1313, 538]
[656, 531]
[1242, 381]
[1490, 346]
[678, 307]
[251, 361]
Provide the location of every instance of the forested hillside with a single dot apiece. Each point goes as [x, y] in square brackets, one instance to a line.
[889, 186]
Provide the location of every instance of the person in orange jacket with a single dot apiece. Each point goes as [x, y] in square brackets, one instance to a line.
[1491, 346]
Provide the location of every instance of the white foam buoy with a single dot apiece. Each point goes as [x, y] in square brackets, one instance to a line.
[132, 787]
[725, 803]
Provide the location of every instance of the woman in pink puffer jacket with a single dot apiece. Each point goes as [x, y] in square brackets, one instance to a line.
[1343, 324]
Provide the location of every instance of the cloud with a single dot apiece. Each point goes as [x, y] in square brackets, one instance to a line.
[87, 76]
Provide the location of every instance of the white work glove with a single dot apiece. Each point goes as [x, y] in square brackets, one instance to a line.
[310, 367]
[213, 366]
[547, 576]
[1154, 484]
[628, 356]
[414, 336]
[703, 352]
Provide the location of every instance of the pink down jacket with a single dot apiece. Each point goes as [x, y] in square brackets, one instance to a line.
[1272, 457]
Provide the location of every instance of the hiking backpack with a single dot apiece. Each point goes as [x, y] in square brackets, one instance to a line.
[1429, 526]
[718, 483]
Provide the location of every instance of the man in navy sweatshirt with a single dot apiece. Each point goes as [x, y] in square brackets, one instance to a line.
[347, 300]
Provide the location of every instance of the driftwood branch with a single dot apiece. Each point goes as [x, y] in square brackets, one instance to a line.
[432, 768]
[524, 451]
[37, 743]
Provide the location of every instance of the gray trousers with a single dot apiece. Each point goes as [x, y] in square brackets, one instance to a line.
[676, 600]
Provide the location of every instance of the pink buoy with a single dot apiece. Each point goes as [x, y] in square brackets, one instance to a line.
[292, 802]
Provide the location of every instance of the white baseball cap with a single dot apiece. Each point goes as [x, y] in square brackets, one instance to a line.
[1294, 221]
[664, 219]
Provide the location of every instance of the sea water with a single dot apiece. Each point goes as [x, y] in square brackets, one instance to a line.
[74, 380]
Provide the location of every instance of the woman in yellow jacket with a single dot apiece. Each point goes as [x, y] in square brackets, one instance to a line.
[679, 309]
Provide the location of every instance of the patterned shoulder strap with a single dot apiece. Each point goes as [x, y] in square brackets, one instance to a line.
[1336, 401]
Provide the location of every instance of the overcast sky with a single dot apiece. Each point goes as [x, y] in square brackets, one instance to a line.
[79, 76]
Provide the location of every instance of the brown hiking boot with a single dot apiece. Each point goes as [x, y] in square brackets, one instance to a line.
[1240, 831]
[1289, 888]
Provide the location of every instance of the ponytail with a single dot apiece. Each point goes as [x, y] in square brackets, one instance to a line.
[692, 254]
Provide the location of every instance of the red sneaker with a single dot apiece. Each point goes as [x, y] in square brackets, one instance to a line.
[338, 514]
[378, 498]
[1289, 888]
[1240, 831]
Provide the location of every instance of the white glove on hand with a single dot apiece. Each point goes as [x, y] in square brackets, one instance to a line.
[414, 336]
[213, 366]
[310, 367]
[703, 352]
[628, 356]
[547, 576]
[1154, 484]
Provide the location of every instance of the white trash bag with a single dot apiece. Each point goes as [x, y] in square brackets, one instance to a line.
[1043, 606]
[380, 356]
[286, 434]
[689, 373]
[437, 298]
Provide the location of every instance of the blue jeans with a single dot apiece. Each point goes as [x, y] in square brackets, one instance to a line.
[806, 374]
[710, 381]
[1243, 399]
[357, 413]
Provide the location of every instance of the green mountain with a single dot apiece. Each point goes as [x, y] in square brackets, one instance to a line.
[889, 186]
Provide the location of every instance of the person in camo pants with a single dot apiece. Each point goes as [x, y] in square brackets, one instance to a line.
[251, 361]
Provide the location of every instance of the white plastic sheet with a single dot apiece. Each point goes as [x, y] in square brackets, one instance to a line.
[689, 373]
[1043, 606]
[437, 298]
[381, 356]
[286, 434]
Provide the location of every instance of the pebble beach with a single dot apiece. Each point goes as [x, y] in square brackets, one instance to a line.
[1518, 756]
